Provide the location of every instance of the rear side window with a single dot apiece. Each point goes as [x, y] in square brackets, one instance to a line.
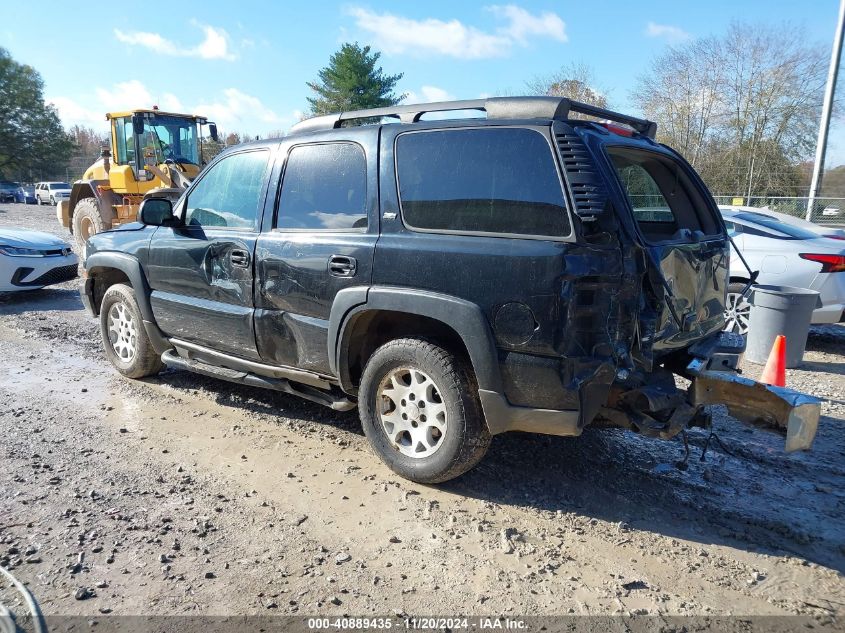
[490, 180]
[664, 199]
[324, 187]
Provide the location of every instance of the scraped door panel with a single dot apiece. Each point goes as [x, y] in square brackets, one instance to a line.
[321, 241]
[200, 290]
[201, 274]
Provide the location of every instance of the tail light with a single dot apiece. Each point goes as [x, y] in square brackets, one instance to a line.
[835, 237]
[830, 263]
[617, 129]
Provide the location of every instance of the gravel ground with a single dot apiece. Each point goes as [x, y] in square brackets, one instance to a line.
[186, 495]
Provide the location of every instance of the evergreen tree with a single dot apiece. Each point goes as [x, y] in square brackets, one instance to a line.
[352, 81]
[32, 140]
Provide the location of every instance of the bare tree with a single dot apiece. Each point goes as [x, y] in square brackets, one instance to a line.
[88, 144]
[741, 107]
[575, 81]
[682, 91]
[773, 85]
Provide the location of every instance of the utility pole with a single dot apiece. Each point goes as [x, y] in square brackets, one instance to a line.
[827, 108]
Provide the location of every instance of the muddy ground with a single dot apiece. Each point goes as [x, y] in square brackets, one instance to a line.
[187, 495]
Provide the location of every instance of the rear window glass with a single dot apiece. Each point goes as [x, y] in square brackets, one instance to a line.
[664, 199]
[791, 230]
[492, 180]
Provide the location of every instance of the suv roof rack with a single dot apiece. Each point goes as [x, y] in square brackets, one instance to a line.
[557, 108]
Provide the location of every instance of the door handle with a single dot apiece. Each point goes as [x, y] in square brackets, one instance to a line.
[239, 258]
[343, 266]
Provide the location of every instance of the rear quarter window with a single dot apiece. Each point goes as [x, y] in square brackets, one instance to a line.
[501, 181]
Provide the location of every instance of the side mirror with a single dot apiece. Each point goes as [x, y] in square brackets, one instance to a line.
[157, 212]
[212, 130]
[138, 124]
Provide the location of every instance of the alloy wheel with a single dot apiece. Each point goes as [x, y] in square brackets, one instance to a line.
[412, 412]
[123, 334]
[737, 313]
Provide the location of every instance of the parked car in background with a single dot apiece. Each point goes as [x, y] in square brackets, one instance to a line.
[25, 194]
[51, 192]
[818, 229]
[31, 259]
[787, 255]
[8, 190]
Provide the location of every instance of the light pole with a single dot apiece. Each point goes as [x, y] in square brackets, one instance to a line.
[827, 107]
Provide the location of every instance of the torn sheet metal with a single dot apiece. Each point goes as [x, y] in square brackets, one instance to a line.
[787, 411]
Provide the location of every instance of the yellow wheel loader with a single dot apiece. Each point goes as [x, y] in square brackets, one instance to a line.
[152, 153]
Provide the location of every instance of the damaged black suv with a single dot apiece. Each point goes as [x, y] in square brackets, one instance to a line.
[454, 279]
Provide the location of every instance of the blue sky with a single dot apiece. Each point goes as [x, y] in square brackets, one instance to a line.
[245, 64]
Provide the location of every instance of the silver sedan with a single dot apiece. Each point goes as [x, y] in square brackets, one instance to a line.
[786, 255]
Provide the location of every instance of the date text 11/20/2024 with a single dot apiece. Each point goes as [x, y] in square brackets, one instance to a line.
[418, 624]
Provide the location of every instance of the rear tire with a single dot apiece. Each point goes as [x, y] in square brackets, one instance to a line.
[420, 411]
[87, 221]
[125, 340]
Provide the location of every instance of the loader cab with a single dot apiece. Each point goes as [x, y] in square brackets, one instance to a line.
[148, 138]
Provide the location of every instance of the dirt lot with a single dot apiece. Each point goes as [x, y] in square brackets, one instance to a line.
[186, 495]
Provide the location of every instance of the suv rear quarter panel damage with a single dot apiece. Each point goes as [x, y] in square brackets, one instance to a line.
[562, 313]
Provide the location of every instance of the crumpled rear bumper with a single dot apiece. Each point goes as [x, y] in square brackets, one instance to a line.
[786, 411]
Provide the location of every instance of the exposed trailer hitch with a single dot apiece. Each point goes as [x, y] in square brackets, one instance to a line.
[658, 408]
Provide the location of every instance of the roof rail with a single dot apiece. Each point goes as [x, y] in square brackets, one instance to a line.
[496, 108]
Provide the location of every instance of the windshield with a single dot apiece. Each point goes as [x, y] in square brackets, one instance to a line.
[59, 185]
[9, 185]
[170, 138]
[791, 230]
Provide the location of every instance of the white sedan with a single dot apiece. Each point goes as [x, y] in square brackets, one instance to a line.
[31, 259]
[785, 255]
[823, 230]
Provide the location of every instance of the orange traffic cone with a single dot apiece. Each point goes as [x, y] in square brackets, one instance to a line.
[774, 373]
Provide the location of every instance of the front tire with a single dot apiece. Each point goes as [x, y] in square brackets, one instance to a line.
[420, 411]
[125, 340]
[87, 221]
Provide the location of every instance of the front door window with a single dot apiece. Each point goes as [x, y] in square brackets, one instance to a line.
[230, 193]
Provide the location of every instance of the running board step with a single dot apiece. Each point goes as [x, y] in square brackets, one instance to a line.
[172, 359]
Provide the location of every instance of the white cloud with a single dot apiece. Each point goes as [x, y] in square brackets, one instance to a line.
[395, 34]
[132, 94]
[72, 113]
[238, 110]
[215, 45]
[670, 33]
[233, 110]
[125, 96]
[522, 23]
[428, 94]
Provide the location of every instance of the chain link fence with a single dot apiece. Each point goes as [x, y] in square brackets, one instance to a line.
[825, 210]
